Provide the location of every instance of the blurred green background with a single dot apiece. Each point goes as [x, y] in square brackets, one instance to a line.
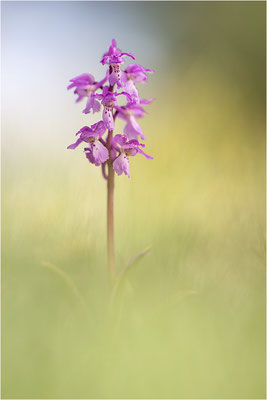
[189, 320]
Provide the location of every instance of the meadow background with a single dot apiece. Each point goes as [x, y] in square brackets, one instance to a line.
[189, 321]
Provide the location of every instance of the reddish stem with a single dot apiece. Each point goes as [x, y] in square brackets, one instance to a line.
[110, 213]
[110, 208]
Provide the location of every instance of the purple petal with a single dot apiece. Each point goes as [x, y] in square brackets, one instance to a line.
[83, 79]
[110, 99]
[121, 165]
[127, 54]
[144, 154]
[89, 155]
[100, 152]
[84, 129]
[79, 98]
[135, 143]
[127, 95]
[71, 86]
[124, 77]
[130, 88]
[104, 60]
[74, 145]
[132, 129]
[108, 119]
[96, 106]
[99, 128]
[138, 73]
[98, 96]
[132, 68]
[113, 78]
[105, 91]
[93, 104]
[137, 111]
[144, 101]
[120, 139]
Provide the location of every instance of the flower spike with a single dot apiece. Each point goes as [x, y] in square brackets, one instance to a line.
[103, 147]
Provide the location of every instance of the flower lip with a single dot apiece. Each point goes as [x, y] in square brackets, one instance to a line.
[96, 154]
[121, 165]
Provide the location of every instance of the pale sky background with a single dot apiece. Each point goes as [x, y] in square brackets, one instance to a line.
[47, 43]
[44, 44]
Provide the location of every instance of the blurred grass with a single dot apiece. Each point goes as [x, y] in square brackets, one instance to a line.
[189, 322]
[192, 322]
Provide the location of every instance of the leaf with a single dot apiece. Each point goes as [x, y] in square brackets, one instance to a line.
[65, 278]
[138, 257]
[123, 274]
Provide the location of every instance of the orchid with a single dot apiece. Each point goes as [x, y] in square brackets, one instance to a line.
[109, 101]
[85, 86]
[129, 113]
[133, 74]
[126, 148]
[112, 152]
[98, 152]
[114, 57]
